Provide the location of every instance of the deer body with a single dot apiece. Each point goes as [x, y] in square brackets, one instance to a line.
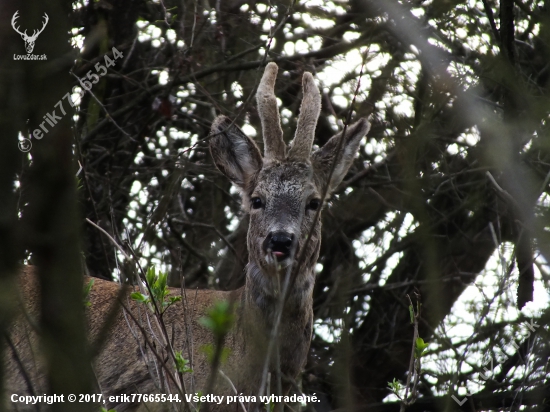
[283, 193]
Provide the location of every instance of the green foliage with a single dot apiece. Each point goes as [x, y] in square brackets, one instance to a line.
[270, 406]
[159, 290]
[87, 289]
[107, 410]
[420, 347]
[210, 352]
[182, 364]
[140, 297]
[396, 387]
[219, 319]
[79, 184]
[199, 404]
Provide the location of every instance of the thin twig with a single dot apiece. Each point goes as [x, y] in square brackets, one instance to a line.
[113, 241]
[107, 114]
[414, 362]
[232, 387]
[491, 18]
[341, 47]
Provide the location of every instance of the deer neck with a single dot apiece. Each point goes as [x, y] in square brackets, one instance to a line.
[262, 295]
[256, 318]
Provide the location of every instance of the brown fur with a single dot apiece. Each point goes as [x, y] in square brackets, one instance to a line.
[286, 186]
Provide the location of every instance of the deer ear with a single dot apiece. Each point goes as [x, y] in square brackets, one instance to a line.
[235, 154]
[323, 158]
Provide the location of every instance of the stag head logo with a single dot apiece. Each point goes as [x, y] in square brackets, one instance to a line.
[29, 40]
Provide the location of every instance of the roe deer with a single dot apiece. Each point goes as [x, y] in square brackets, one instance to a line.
[282, 192]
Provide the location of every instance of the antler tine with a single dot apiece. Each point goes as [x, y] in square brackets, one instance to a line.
[46, 20]
[13, 23]
[274, 145]
[307, 121]
[37, 32]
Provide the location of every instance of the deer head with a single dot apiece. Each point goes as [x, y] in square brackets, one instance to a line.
[283, 190]
[29, 40]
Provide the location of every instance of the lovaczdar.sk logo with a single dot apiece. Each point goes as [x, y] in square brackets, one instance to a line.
[29, 40]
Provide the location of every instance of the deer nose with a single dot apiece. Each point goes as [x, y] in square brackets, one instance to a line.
[279, 243]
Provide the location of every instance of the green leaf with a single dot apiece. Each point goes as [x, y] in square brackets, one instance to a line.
[219, 318]
[87, 290]
[182, 364]
[395, 387]
[208, 323]
[420, 347]
[139, 297]
[150, 276]
[79, 184]
[174, 299]
[159, 290]
[209, 351]
[160, 283]
[411, 312]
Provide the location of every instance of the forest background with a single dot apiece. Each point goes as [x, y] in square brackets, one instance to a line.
[447, 203]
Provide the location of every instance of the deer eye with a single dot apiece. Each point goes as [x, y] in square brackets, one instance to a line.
[314, 204]
[256, 202]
